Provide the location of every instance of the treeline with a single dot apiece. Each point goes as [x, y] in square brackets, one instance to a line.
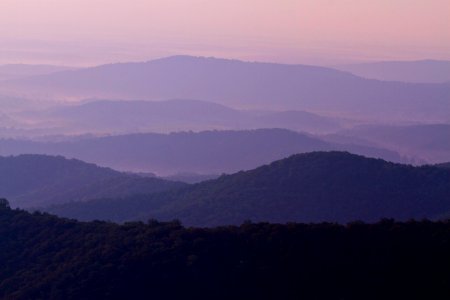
[45, 257]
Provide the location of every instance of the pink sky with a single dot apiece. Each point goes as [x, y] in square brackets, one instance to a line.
[84, 32]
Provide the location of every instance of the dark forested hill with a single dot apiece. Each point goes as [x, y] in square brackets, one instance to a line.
[36, 180]
[44, 257]
[312, 187]
[207, 152]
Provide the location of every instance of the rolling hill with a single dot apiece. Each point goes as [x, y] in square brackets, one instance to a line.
[312, 187]
[245, 85]
[37, 180]
[208, 152]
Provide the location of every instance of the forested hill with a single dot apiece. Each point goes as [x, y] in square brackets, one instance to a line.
[36, 180]
[312, 187]
[44, 257]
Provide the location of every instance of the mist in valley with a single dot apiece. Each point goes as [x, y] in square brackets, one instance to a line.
[224, 149]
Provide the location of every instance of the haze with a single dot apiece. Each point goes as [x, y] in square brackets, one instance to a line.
[224, 149]
[320, 32]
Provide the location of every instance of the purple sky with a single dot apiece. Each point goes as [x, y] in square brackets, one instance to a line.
[88, 32]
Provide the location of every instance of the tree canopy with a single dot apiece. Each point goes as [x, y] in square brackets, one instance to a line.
[45, 257]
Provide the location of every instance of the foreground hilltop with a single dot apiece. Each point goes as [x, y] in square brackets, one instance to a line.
[312, 187]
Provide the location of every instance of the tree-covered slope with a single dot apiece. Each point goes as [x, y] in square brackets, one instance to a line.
[312, 187]
[36, 180]
[44, 257]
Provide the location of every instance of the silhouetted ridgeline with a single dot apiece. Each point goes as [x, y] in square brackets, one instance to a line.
[37, 180]
[44, 257]
[312, 187]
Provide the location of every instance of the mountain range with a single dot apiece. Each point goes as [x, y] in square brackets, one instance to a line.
[245, 85]
[206, 152]
[122, 116]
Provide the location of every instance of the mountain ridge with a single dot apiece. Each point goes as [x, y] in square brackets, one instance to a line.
[310, 187]
[205, 152]
[246, 85]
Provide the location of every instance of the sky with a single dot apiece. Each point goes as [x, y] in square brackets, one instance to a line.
[322, 32]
